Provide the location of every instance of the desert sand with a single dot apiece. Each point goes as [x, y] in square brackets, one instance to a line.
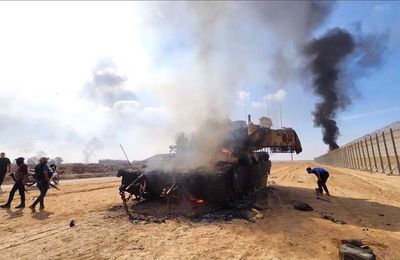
[368, 203]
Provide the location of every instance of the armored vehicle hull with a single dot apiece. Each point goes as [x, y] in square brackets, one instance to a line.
[220, 182]
[239, 164]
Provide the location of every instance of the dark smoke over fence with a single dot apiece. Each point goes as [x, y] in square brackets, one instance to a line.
[330, 59]
[328, 53]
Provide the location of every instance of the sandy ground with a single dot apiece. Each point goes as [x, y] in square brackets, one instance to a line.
[368, 203]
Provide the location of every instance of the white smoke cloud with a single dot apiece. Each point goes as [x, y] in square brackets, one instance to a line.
[91, 148]
[107, 86]
[193, 59]
[278, 96]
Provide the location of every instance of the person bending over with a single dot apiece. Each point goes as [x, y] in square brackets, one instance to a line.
[322, 176]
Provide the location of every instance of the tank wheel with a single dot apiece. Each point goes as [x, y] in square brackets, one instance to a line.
[56, 180]
[30, 183]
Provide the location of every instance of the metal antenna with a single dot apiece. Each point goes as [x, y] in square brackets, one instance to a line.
[126, 156]
[280, 113]
[245, 110]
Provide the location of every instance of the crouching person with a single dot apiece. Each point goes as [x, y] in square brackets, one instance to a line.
[42, 171]
[20, 177]
[322, 176]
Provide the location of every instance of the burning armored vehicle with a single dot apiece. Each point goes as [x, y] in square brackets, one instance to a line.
[218, 164]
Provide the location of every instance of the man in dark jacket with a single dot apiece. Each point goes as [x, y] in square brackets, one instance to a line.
[20, 177]
[5, 165]
[322, 176]
[42, 177]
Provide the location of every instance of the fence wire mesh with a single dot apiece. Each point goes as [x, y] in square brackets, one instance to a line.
[375, 152]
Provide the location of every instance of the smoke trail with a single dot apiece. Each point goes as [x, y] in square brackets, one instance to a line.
[92, 146]
[106, 87]
[336, 59]
[328, 53]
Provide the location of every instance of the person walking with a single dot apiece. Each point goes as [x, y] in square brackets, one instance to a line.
[322, 176]
[5, 166]
[42, 171]
[20, 177]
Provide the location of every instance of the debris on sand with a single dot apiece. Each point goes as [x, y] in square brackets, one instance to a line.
[331, 218]
[323, 199]
[256, 211]
[354, 249]
[137, 218]
[354, 242]
[259, 216]
[221, 217]
[72, 223]
[303, 206]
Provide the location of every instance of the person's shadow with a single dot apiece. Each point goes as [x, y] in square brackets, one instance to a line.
[15, 214]
[41, 215]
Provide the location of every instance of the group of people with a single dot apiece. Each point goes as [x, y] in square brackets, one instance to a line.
[43, 173]
[20, 176]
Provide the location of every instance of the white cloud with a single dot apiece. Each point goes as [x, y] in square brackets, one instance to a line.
[126, 106]
[257, 104]
[369, 113]
[380, 8]
[244, 95]
[278, 96]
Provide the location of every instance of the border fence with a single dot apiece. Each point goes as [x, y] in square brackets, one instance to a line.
[374, 152]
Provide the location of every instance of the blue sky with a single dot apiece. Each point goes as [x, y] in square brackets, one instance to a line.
[51, 53]
[376, 98]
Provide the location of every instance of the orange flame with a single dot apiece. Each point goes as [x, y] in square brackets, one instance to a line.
[225, 150]
[196, 200]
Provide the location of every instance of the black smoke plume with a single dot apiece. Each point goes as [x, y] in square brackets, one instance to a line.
[327, 55]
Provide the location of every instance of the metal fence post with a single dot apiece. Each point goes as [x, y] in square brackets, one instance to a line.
[363, 154]
[360, 156]
[373, 153]
[355, 152]
[380, 154]
[347, 157]
[395, 151]
[352, 156]
[343, 158]
[334, 158]
[369, 158]
[337, 157]
[387, 153]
